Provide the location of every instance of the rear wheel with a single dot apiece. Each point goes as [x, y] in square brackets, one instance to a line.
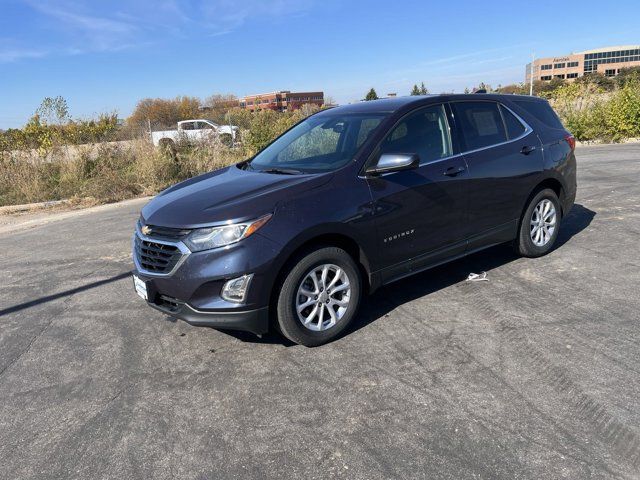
[539, 224]
[320, 296]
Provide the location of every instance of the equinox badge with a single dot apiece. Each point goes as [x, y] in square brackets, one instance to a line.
[399, 235]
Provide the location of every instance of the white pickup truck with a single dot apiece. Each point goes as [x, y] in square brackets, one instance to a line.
[194, 131]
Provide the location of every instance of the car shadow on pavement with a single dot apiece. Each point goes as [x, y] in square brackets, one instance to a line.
[398, 293]
[391, 296]
[579, 218]
[65, 293]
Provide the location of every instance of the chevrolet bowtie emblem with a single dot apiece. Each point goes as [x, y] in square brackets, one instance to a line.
[146, 229]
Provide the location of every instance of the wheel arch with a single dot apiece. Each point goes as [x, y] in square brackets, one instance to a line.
[551, 183]
[311, 241]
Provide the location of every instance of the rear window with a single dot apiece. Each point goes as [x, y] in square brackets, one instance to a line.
[542, 111]
[481, 124]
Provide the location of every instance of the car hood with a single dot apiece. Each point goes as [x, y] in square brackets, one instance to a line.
[228, 194]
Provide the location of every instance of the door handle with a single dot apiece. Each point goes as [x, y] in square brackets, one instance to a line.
[527, 149]
[453, 171]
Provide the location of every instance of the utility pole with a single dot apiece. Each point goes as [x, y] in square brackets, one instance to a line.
[533, 59]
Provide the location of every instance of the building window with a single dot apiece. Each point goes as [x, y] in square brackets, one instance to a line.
[572, 75]
[572, 64]
[559, 76]
[559, 65]
[545, 77]
[610, 72]
[546, 67]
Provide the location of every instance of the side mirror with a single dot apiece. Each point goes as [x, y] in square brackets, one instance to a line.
[394, 162]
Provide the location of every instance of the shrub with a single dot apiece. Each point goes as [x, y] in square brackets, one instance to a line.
[622, 116]
[592, 112]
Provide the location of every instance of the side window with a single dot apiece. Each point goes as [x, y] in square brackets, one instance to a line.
[515, 128]
[188, 126]
[425, 132]
[203, 126]
[481, 123]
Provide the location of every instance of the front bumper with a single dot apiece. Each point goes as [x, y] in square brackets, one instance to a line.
[192, 291]
[254, 321]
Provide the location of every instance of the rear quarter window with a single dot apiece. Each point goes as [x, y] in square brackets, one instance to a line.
[542, 111]
[514, 127]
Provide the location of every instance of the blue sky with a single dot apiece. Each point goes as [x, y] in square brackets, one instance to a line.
[104, 56]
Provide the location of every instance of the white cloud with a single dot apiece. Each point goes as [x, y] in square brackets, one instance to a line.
[79, 27]
[12, 54]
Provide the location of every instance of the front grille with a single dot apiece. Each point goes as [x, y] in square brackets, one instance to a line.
[156, 257]
[166, 233]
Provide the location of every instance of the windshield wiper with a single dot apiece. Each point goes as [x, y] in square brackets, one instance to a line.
[282, 171]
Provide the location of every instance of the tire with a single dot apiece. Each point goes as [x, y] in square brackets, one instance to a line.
[535, 242]
[344, 301]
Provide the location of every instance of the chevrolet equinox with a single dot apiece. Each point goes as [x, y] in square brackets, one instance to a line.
[348, 200]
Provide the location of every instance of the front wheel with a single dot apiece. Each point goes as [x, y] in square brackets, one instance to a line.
[539, 225]
[319, 297]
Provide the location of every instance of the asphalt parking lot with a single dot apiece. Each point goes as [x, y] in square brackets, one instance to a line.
[533, 374]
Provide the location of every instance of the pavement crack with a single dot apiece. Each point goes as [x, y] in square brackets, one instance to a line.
[26, 350]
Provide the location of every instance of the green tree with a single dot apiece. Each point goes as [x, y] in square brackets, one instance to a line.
[419, 90]
[53, 110]
[371, 95]
[483, 86]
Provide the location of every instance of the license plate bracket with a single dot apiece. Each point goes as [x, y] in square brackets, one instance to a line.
[141, 288]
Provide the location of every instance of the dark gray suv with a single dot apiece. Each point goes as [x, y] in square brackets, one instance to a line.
[350, 199]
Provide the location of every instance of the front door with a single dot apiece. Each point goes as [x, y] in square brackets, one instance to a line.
[419, 212]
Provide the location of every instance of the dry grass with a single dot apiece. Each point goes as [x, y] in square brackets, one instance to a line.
[56, 169]
[105, 172]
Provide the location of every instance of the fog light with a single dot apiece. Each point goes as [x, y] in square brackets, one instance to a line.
[235, 290]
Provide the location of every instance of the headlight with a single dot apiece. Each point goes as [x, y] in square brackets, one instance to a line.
[214, 237]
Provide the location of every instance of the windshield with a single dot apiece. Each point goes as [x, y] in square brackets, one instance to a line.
[321, 143]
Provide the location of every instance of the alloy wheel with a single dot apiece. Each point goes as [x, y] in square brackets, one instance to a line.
[323, 297]
[543, 222]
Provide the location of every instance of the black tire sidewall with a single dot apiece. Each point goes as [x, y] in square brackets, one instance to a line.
[287, 316]
[526, 246]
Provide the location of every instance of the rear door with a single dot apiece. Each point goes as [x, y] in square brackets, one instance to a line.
[420, 212]
[504, 157]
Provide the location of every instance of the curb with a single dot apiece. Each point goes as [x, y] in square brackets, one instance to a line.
[7, 209]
